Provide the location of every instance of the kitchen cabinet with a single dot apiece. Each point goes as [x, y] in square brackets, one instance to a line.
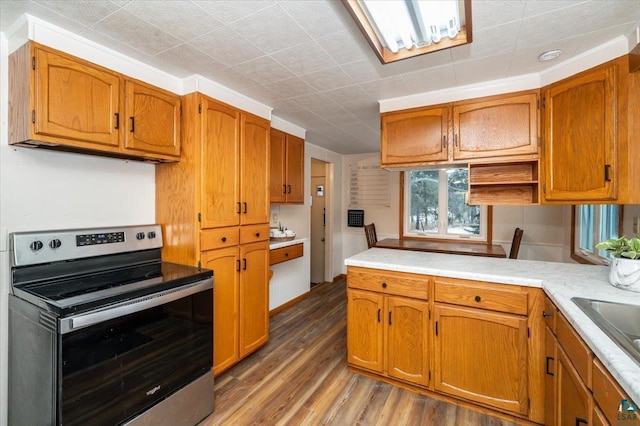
[573, 397]
[482, 354]
[62, 102]
[211, 217]
[465, 131]
[286, 168]
[550, 364]
[590, 128]
[388, 334]
[483, 343]
[284, 254]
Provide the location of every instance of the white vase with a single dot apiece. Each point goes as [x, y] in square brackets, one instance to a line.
[625, 274]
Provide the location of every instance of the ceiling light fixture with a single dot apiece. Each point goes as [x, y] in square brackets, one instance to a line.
[403, 29]
[549, 56]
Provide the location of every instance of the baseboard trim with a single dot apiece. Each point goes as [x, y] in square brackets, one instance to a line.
[339, 277]
[289, 304]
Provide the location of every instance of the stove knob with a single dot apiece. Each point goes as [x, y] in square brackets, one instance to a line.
[151, 235]
[140, 236]
[36, 245]
[55, 243]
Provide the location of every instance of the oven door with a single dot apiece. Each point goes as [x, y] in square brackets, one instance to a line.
[117, 362]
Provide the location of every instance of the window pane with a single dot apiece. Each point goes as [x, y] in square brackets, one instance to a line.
[609, 215]
[462, 219]
[587, 218]
[423, 201]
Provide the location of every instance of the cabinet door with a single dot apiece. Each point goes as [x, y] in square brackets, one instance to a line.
[254, 168]
[407, 340]
[254, 297]
[365, 329]
[503, 126]
[482, 356]
[76, 101]
[580, 116]
[295, 170]
[152, 118]
[277, 185]
[225, 264]
[415, 137]
[550, 397]
[573, 396]
[220, 196]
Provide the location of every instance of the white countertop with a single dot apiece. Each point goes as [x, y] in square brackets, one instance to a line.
[280, 244]
[560, 281]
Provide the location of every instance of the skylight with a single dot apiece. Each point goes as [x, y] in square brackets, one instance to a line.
[400, 29]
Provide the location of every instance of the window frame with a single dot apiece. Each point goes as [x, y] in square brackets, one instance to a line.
[487, 213]
[592, 259]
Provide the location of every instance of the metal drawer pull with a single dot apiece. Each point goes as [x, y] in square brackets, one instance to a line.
[477, 298]
[546, 314]
[547, 365]
[117, 116]
[378, 314]
[133, 124]
[384, 285]
[224, 239]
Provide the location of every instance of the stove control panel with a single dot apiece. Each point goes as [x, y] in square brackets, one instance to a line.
[31, 248]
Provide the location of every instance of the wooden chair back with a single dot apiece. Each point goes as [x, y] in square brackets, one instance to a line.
[370, 233]
[515, 244]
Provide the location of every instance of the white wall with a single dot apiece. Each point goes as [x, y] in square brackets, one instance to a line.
[41, 189]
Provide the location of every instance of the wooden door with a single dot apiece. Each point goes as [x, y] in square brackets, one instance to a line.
[295, 170]
[573, 396]
[254, 296]
[550, 394]
[277, 185]
[580, 116]
[482, 356]
[496, 127]
[415, 137]
[406, 344]
[365, 329]
[254, 169]
[225, 264]
[220, 188]
[75, 101]
[152, 119]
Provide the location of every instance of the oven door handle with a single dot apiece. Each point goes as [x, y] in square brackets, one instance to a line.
[77, 322]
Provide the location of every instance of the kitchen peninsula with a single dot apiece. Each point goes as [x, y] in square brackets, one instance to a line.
[461, 313]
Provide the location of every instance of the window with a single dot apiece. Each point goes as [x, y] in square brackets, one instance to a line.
[592, 224]
[435, 206]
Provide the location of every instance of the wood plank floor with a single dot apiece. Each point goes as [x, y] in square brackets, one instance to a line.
[301, 378]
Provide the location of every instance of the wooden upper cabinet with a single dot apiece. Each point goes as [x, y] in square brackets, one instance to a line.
[580, 122]
[277, 165]
[254, 169]
[505, 125]
[220, 196]
[287, 168]
[414, 137]
[59, 101]
[73, 102]
[152, 117]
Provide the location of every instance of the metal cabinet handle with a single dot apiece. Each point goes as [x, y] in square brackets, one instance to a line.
[289, 186]
[224, 239]
[244, 264]
[117, 117]
[245, 207]
[477, 298]
[389, 317]
[133, 124]
[546, 314]
[547, 365]
[455, 140]
[384, 285]
[444, 141]
[284, 189]
[378, 314]
[257, 234]
[238, 265]
[607, 172]
[580, 421]
[239, 207]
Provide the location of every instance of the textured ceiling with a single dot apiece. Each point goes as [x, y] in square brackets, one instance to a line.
[308, 60]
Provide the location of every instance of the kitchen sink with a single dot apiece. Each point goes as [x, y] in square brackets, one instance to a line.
[619, 321]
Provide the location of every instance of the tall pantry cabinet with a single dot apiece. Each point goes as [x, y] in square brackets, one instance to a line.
[214, 207]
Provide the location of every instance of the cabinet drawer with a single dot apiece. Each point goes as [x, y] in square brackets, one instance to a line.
[283, 254]
[218, 238]
[254, 233]
[388, 282]
[607, 393]
[578, 352]
[495, 297]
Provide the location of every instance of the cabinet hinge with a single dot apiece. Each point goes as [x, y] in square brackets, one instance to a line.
[199, 265]
[33, 116]
[33, 63]
[200, 109]
[199, 217]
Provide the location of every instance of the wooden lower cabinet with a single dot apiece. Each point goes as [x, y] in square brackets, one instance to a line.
[550, 396]
[241, 301]
[388, 335]
[573, 398]
[482, 356]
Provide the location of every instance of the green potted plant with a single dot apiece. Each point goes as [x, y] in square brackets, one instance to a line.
[625, 265]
